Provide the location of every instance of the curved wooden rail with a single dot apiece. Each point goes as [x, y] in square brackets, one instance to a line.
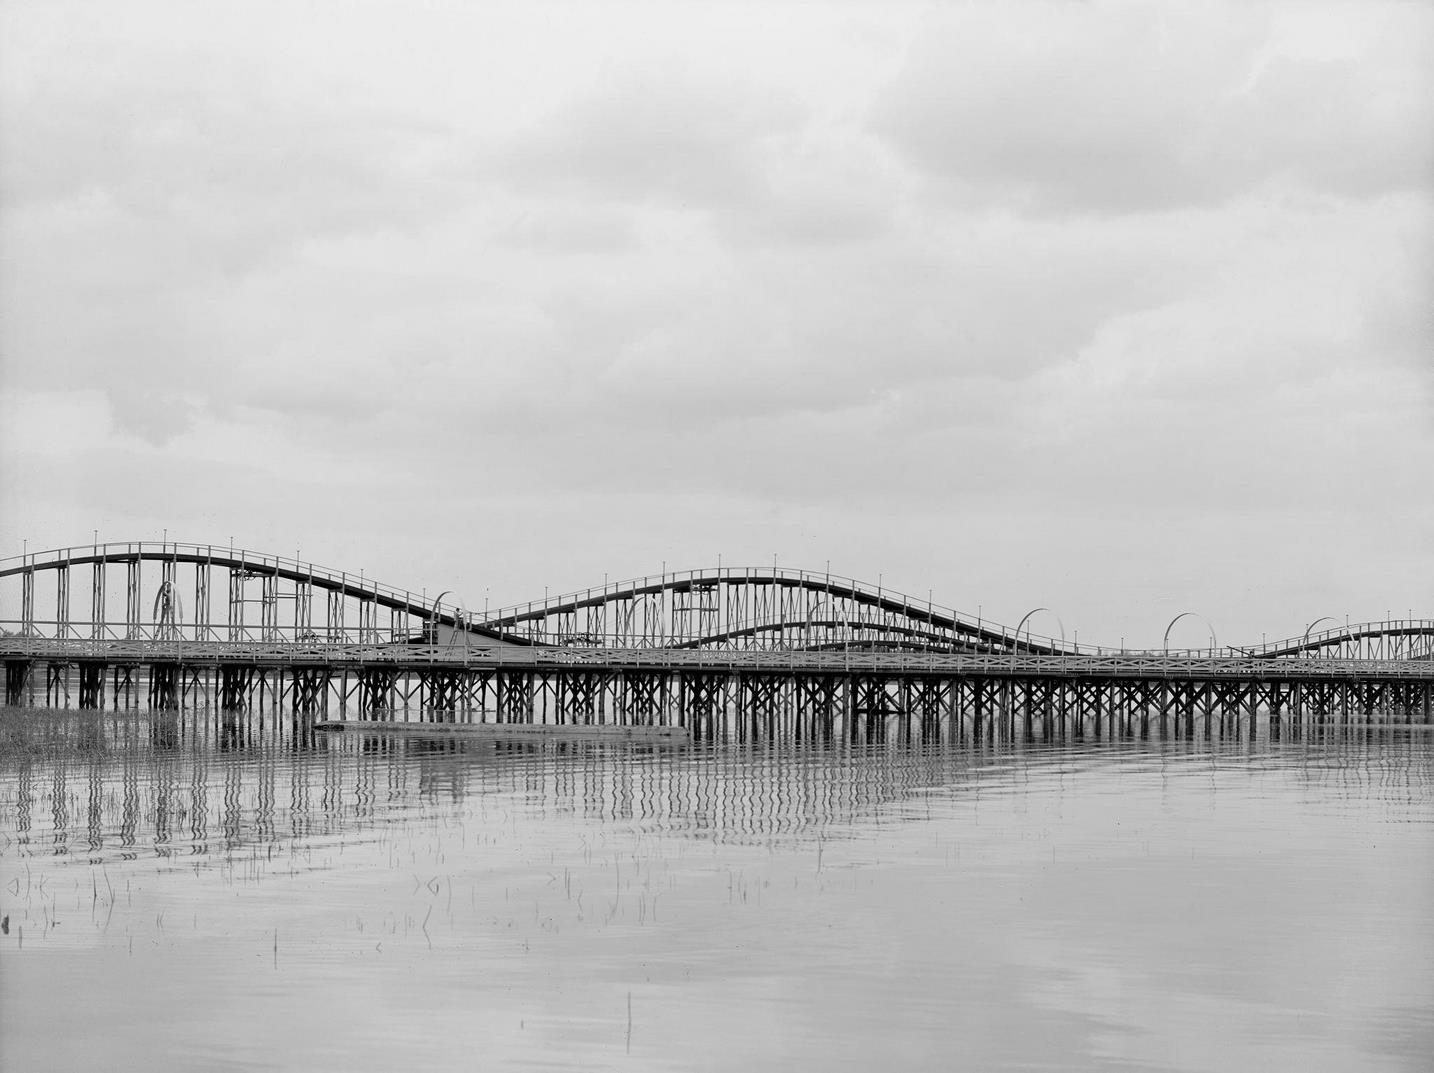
[725, 607]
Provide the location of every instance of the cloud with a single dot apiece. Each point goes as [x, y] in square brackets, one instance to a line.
[1066, 108]
[1014, 295]
[558, 228]
[751, 156]
[656, 134]
[147, 183]
[212, 163]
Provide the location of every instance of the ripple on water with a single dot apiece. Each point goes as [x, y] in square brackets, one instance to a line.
[1067, 904]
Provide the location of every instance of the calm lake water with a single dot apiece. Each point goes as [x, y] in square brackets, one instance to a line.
[185, 896]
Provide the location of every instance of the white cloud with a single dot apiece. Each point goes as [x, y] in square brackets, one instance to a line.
[1114, 109]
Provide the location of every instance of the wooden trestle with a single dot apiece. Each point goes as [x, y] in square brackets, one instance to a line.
[751, 696]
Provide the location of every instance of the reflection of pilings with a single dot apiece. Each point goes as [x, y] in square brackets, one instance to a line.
[94, 813]
[95, 783]
[24, 796]
[164, 732]
[129, 818]
[233, 730]
[302, 734]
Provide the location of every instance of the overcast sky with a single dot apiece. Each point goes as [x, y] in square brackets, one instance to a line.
[1117, 309]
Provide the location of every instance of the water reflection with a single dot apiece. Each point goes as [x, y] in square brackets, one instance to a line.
[195, 784]
[996, 906]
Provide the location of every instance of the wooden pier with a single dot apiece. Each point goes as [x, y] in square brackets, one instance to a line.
[752, 695]
[754, 652]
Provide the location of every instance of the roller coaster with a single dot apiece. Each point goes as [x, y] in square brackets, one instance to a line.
[756, 652]
[168, 591]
